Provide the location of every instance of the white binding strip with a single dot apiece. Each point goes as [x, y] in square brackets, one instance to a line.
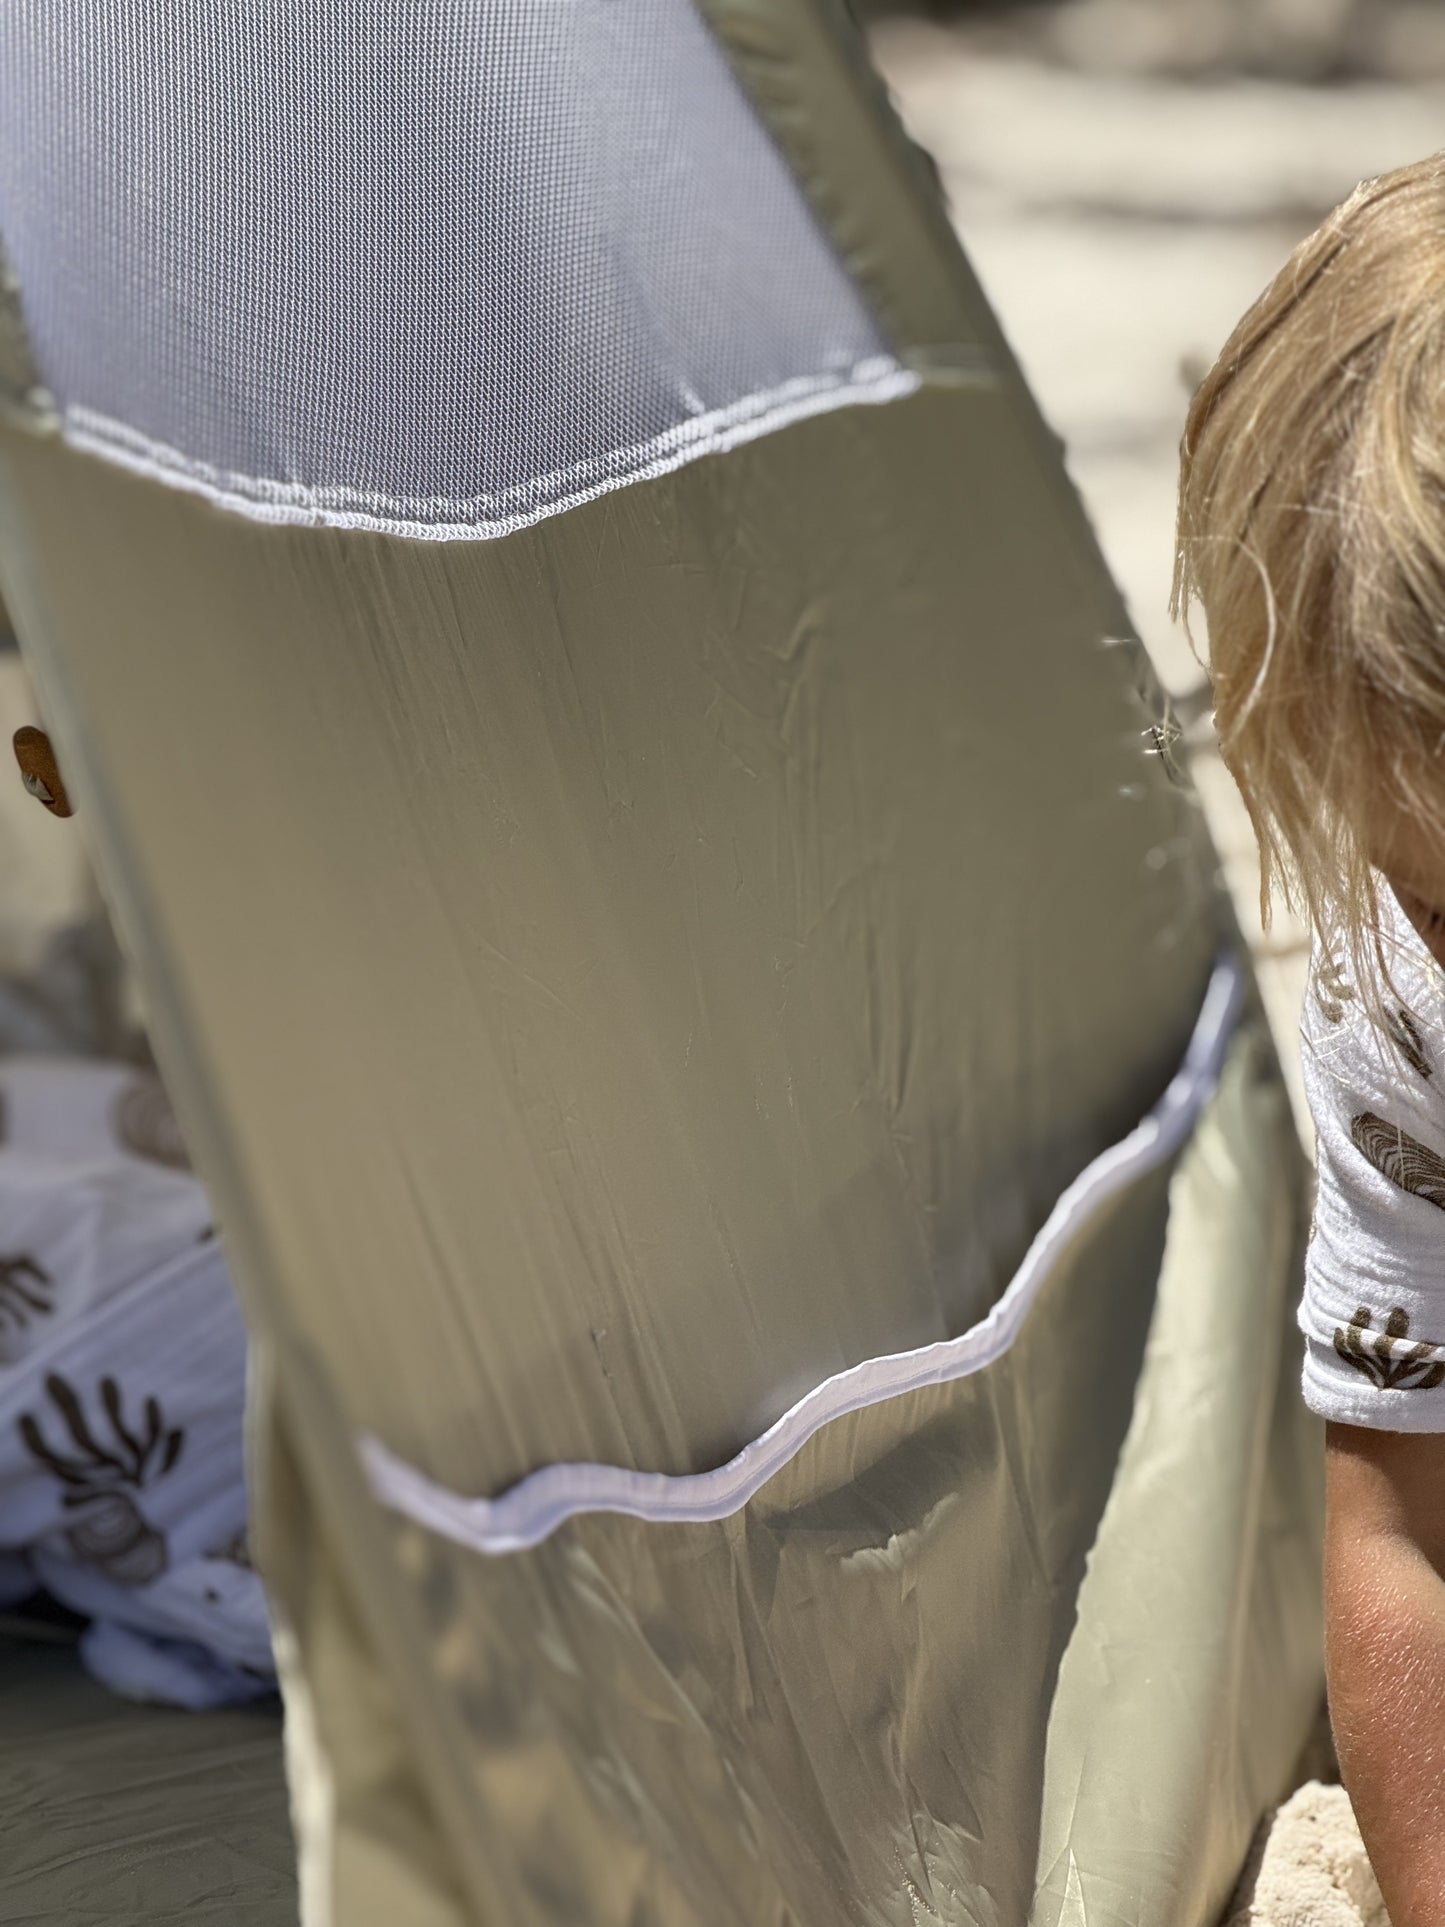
[485, 517]
[534, 1508]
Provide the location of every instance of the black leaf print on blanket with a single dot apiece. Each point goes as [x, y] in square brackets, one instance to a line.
[110, 1530]
[1403, 1159]
[26, 1292]
[1385, 1358]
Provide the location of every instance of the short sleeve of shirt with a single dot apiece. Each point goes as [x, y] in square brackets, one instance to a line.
[1373, 1310]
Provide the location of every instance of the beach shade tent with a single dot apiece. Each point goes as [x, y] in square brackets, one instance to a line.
[766, 1214]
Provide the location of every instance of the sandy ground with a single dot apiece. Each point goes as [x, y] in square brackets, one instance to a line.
[1120, 225]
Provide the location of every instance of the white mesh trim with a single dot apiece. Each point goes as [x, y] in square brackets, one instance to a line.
[879, 379]
[441, 267]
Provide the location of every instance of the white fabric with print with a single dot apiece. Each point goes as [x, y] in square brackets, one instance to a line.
[1373, 1312]
[122, 1388]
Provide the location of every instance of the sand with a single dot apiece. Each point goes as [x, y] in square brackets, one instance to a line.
[1308, 1867]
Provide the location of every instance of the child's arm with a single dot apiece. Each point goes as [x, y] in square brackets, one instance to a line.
[1385, 1654]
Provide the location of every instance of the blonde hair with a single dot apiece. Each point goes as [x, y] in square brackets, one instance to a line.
[1312, 533]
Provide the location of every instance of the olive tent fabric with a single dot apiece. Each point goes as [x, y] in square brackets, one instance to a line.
[616, 974]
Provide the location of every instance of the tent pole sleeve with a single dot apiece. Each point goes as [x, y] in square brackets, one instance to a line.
[804, 65]
[805, 68]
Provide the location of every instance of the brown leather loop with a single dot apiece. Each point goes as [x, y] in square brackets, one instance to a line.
[41, 772]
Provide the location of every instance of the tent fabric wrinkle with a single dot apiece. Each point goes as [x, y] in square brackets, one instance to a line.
[534, 1508]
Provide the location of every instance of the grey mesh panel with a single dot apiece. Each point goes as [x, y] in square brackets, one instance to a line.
[421, 264]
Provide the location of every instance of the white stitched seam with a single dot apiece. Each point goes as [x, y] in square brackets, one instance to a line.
[439, 518]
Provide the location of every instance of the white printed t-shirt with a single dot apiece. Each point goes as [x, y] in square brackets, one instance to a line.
[1373, 1311]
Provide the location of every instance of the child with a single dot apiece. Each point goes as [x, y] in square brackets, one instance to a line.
[1312, 533]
